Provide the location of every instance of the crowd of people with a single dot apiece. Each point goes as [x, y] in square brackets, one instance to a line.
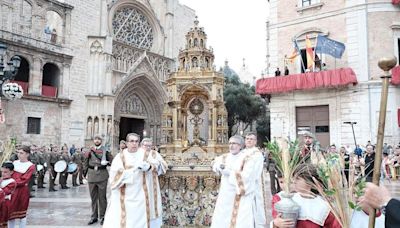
[132, 175]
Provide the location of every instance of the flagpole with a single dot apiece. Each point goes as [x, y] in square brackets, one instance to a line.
[315, 51]
[301, 57]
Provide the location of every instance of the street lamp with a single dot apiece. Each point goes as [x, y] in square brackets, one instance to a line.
[7, 72]
[352, 128]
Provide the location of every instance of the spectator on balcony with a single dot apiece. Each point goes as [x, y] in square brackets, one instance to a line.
[324, 67]
[47, 33]
[286, 70]
[54, 36]
[277, 72]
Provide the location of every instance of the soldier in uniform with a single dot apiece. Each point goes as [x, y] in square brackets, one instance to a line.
[271, 166]
[77, 159]
[96, 161]
[51, 161]
[33, 157]
[64, 175]
[41, 161]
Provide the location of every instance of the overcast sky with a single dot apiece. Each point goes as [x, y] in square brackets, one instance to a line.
[235, 30]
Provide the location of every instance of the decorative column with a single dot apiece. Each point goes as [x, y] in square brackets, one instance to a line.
[175, 122]
[214, 121]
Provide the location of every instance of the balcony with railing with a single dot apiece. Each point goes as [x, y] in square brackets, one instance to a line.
[307, 81]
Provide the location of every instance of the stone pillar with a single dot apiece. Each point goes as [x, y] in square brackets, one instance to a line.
[210, 123]
[169, 28]
[103, 18]
[179, 123]
[36, 77]
[67, 27]
[63, 86]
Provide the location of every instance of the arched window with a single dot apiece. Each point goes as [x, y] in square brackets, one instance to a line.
[51, 80]
[195, 43]
[54, 27]
[96, 126]
[23, 71]
[201, 43]
[190, 43]
[207, 63]
[89, 130]
[195, 62]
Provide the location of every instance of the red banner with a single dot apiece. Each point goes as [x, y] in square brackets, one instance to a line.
[306, 81]
[395, 75]
[396, 2]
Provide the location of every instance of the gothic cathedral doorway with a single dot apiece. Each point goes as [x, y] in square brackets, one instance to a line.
[130, 125]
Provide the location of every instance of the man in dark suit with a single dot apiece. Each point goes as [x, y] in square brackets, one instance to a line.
[379, 197]
[96, 161]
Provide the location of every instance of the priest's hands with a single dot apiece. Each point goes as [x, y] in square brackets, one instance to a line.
[154, 163]
[279, 222]
[144, 166]
[226, 171]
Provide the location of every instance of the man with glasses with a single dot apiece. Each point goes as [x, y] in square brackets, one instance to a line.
[239, 172]
[158, 167]
[129, 202]
[95, 165]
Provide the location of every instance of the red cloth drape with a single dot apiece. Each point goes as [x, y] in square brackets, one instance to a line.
[49, 91]
[395, 75]
[24, 86]
[306, 81]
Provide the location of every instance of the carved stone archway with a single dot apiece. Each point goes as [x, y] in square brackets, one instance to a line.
[140, 98]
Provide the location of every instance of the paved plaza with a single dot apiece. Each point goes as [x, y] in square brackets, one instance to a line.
[71, 207]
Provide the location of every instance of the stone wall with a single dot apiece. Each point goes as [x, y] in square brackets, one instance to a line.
[83, 23]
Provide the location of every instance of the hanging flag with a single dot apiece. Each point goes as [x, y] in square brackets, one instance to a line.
[292, 57]
[309, 54]
[330, 47]
[396, 2]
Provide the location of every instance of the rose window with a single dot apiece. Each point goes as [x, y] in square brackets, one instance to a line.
[132, 27]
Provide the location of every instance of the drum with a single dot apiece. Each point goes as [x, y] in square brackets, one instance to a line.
[72, 167]
[60, 166]
[39, 168]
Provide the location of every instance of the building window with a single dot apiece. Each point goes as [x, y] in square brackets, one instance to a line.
[305, 3]
[33, 125]
[308, 3]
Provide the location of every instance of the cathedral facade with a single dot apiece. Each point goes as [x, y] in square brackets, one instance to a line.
[91, 67]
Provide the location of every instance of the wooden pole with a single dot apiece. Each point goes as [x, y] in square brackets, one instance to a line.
[386, 64]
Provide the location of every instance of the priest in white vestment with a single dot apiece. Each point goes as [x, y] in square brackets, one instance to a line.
[260, 199]
[158, 167]
[128, 205]
[239, 171]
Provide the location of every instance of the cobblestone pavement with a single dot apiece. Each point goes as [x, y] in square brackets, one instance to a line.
[71, 207]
